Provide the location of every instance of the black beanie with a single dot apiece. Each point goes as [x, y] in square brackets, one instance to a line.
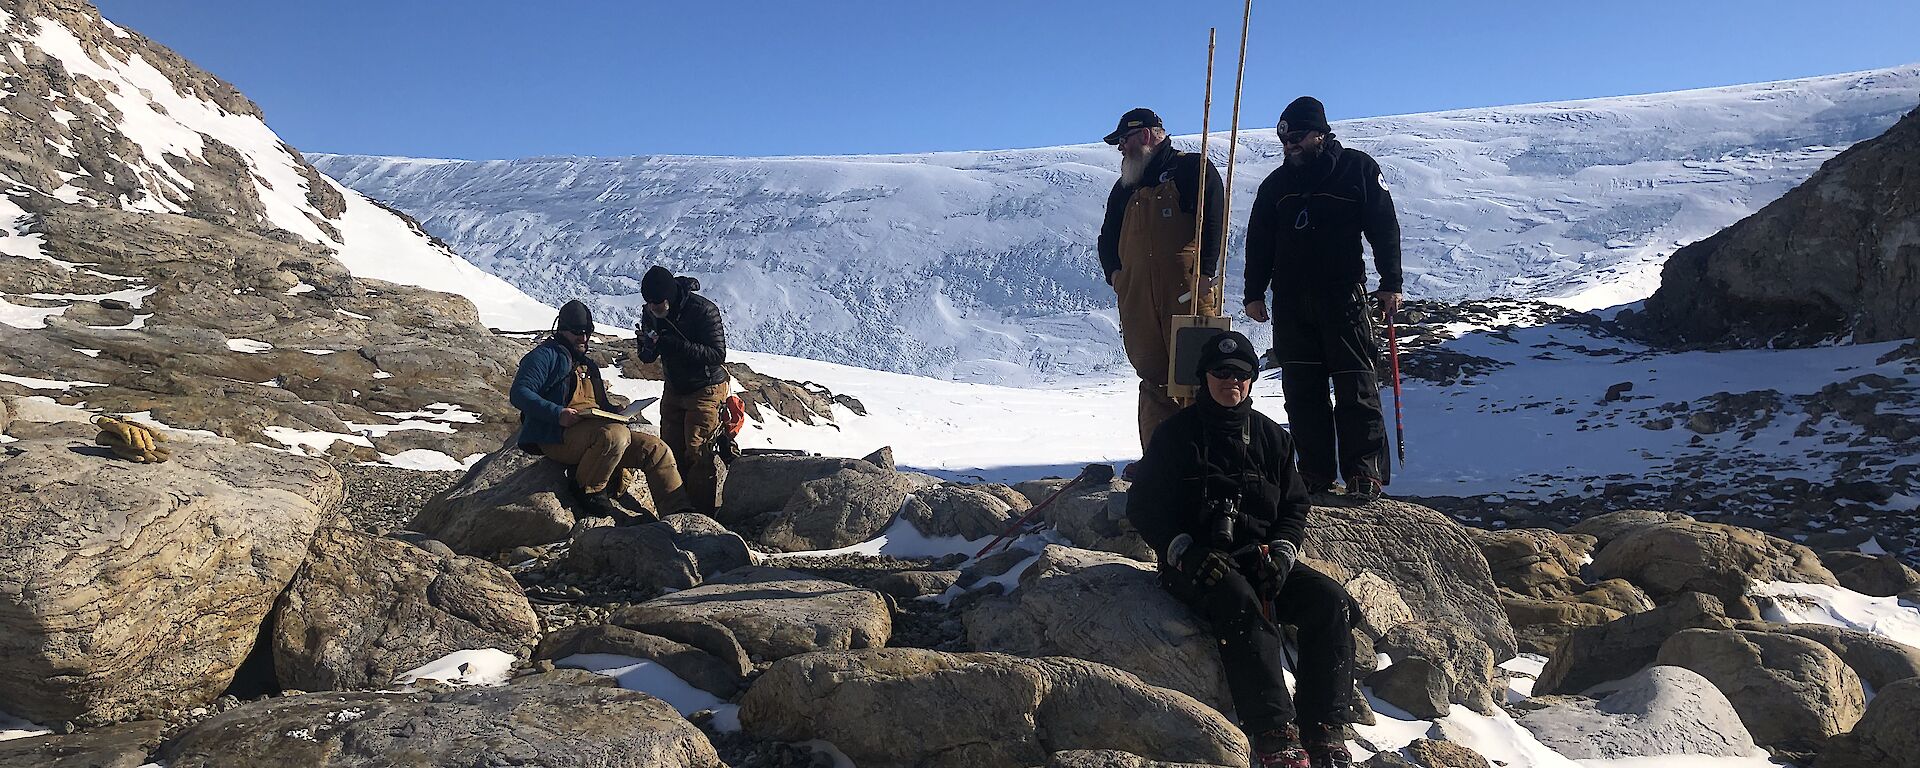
[1228, 348]
[574, 315]
[657, 284]
[1304, 114]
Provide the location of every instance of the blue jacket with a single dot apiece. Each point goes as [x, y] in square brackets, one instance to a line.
[542, 388]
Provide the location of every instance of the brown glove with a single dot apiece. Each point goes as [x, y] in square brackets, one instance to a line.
[131, 441]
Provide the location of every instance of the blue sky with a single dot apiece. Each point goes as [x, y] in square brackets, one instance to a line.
[494, 79]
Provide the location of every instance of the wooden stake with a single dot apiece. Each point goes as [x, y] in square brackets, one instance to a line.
[1200, 198]
[1233, 146]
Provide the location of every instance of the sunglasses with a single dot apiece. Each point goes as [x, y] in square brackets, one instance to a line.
[1294, 137]
[1230, 372]
[578, 331]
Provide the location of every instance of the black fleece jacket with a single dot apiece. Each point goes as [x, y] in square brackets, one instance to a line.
[693, 342]
[1207, 452]
[1304, 231]
[1183, 169]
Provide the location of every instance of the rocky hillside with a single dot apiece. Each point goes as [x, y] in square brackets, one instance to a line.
[979, 266]
[1836, 258]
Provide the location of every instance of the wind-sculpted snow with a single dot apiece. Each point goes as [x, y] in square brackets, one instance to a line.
[981, 266]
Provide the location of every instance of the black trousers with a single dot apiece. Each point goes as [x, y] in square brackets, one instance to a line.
[1326, 338]
[1250, 646]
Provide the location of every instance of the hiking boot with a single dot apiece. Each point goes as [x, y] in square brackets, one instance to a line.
[1364, 488]
[603, 504]
[1321, 486]
[1279, 748]
[674, 502]
[1326, 746]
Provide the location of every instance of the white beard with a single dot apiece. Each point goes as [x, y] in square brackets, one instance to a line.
[1133, 167]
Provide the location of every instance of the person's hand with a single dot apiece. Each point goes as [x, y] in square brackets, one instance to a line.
[1257, 311]
[569, 417]
[1281, 555]
[1206, 565]
[1389, 304]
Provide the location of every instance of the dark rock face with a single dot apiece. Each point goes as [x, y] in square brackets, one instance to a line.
[1837, 256]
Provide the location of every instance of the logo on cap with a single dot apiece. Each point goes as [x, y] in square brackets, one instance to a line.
[1282, 127]
[1229, 345]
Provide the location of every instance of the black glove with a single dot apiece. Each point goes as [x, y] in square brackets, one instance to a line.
[649, 341]
[1281, 555]
[1205, 565]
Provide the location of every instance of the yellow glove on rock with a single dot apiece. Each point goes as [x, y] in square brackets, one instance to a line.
[131, 441]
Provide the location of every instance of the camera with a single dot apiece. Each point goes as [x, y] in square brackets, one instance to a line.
[1223, 513]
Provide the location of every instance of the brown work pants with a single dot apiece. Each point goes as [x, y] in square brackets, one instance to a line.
[688, 423]
[599, 448]
[1157, 254]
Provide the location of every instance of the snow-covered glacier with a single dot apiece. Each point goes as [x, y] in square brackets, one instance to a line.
[980, 265]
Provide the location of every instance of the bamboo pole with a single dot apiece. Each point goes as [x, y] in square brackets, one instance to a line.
[1200, 198]
[1233, 146]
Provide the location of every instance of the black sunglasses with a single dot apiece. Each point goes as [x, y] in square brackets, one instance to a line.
[578, 331]
[1294, 137]
[1230, 372]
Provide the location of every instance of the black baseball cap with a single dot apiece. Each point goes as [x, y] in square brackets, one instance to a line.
[1138, 117]
[1228, 350]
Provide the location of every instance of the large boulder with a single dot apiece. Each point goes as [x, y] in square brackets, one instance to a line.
[1593, 655]
[1429, 558]
[712, 673]
[761, 485]
[1667, 559]
[509, 499]
[675, 553]
[1535, 562]
[774, 613]
[842, 509]
[914, 707]
[1540, 626]
[1612, 525]
[1462, 666]
[1833, 257]
[1094, 516]
[365, 608]
[1053, 613]
[1790, 692]
[956, 510]
[136, 588]
[561, 720]
[1876, 575]
[116, 746]
[1885, 736]
[1659, 711]
[1878, 661]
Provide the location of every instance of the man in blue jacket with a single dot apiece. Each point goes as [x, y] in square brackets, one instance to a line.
[555, 385]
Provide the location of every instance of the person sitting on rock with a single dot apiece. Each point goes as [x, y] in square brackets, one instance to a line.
[1219, 500]
[555, 385]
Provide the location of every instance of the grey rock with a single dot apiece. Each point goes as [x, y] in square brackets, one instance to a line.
[116, 746]
[843, 509]
[366, 608]
[1464, 659]
[129, 587]
[1094, 516]
[907, 585]
[1155, 637]
[954, 710]
[1885, 736]
[881, 457]
[1878, 661]
[1659, 711]
[509, 499]
[952, 510]
[1612, 525]
[1593, 655]
[549, 719]
[1667, 559]
[775, 613]
[1431, 753]
[675, 553]
[1109, 758]
[1876, 575]
[761, 485]
[1791, 692]
[715, 675]
[1418, 685]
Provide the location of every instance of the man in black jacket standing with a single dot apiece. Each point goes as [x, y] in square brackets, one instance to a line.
[682, 329]
[1303, 239]
[1217, 498]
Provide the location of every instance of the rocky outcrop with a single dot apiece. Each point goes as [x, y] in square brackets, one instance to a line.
[673, 554]
[1429, 558]
[954, 510]
[1594, 655]
[1876, 575]
[1837, 256]
[1790, 691]
[509, 499]
[842, 509]
[1659, 711]
[558, 719]
[1885, 736]
[1436, 664]
[1050, 614]
[774, 613]
[719, 674]
[132, 588]
[117, 746]
[906, 706]
[1669, 559]
[761, 485]
[364, 609]
[1094, 516]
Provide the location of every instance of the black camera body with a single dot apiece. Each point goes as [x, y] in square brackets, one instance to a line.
[1223, 514]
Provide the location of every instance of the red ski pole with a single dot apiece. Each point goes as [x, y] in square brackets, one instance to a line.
[1399, 422]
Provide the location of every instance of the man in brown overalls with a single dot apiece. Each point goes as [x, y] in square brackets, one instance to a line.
[1147, 250]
